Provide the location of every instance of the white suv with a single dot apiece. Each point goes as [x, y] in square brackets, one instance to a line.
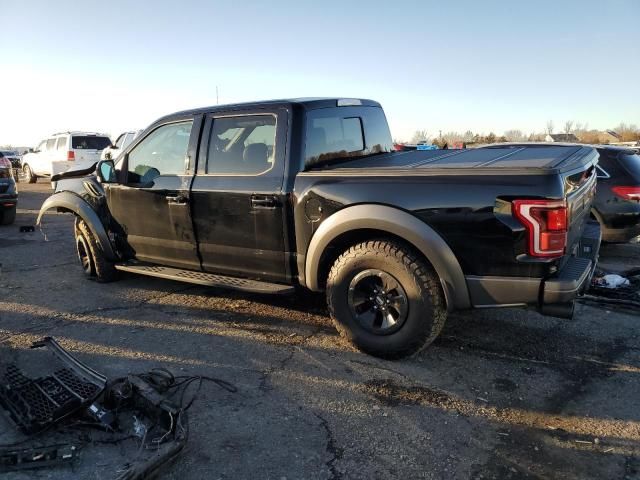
[122, 142]
[62, 152]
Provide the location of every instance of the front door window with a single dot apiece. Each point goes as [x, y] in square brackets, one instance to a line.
[162, 152]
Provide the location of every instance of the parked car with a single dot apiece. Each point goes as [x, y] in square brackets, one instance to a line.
[8, 192]
[64, 151]
[270, 196]
[617, 202]
[122, 142]
[16, 161]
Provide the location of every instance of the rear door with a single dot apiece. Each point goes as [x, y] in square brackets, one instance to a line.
[151, 205]
[237, 198]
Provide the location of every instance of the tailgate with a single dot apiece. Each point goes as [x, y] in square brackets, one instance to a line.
[88, 156]
[580, 188]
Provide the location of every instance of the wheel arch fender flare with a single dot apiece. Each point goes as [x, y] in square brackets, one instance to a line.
[399, 223]
[70, 202]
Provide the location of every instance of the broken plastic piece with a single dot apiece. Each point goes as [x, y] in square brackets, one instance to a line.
[28, 458]
[36, 403]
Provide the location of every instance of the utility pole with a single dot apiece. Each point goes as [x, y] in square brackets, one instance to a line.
[217, 100]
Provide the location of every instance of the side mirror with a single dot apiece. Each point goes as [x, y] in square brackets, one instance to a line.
[106, 171]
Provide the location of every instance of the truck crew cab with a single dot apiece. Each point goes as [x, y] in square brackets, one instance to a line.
[270, 196]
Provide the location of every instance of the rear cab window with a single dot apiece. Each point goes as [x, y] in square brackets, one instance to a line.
[89, 142]
[332, 134]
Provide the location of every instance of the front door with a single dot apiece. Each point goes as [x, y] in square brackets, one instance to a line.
[152, 204]
[237, 199]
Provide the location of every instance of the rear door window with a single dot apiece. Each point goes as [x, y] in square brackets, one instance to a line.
[51, 143]
[62, 143]
[89, 142]
[242, 145]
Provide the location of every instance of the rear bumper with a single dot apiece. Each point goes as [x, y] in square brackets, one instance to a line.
[620, 235]
[553, 296]
[8, 200]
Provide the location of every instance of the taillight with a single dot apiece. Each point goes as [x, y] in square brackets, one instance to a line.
[627, 193]
[71, 155]
[546, 223]
[5, 163]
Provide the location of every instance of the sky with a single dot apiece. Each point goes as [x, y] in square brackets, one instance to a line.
[449, 65]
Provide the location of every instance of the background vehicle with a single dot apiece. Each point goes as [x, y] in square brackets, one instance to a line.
[16, 161]
[63, 151]
[122, 142]
[268, 196]
[617, 202]
[8, 192]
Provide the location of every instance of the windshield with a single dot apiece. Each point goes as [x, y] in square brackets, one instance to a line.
[8, 153]
[90, 142]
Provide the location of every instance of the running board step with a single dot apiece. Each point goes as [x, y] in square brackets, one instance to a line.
[207, 279]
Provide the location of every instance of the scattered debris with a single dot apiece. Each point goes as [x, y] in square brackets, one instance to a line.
[150, 408]
[621, 290]
[611, 280]
[29, 458]
[37, 404]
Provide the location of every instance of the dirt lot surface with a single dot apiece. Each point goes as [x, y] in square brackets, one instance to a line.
[501, 394]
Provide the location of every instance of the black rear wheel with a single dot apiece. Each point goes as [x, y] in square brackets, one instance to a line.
[8, 216]
[385, 299]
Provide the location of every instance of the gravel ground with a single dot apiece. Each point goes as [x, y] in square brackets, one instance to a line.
[501, 394]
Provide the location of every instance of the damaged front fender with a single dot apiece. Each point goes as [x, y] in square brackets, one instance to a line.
[70, 202]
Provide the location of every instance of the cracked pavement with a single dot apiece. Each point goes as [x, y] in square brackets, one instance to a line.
[501, 394]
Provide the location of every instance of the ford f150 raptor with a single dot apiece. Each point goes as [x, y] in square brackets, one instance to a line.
[275, 195]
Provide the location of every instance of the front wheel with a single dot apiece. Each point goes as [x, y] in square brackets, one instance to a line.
[385, 299]
[29, 176]
[94, 265]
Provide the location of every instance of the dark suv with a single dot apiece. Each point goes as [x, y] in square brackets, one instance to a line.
[617, 202]
[8, 192]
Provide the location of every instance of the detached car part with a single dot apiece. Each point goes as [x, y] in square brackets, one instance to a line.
[63, 389]
[38, 457]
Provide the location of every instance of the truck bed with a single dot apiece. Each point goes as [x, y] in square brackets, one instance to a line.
[499, 159]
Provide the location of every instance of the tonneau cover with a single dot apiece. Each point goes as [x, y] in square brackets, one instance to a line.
[529, 158]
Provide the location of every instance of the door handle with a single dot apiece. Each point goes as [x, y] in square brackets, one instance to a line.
[177, 199]
[263, 201]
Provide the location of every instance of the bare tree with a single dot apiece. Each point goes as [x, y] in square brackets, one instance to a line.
[514, 136]
[420, 136]
[468, 136]
[568, 126]
[549, 127]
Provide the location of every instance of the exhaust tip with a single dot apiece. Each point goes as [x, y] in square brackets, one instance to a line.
[559, 310]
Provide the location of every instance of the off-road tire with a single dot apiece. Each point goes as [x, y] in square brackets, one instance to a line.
[29, 176]
[427, 311]
[98, 267]
[8, 216]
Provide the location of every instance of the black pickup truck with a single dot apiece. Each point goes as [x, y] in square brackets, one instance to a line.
[271, 196]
